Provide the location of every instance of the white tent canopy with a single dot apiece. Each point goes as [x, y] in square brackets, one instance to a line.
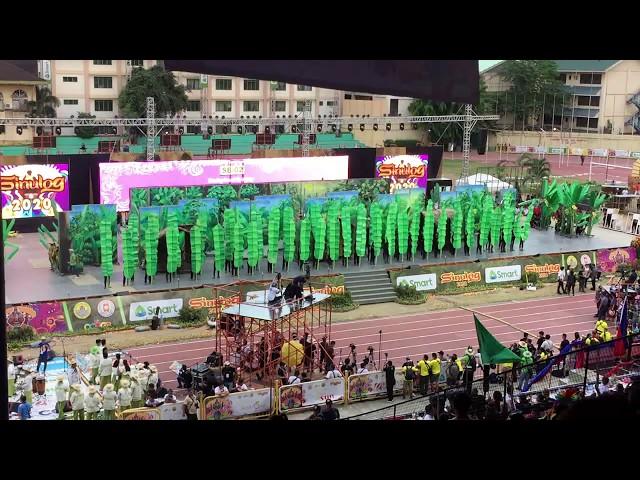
[492, 183]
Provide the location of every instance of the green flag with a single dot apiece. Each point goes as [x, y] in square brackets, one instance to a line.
[492, 350]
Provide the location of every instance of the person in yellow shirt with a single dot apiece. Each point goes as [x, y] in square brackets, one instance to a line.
[601, 326]
[423, 370]
[606, 336]
[434, 366]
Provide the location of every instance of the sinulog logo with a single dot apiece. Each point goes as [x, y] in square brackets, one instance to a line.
[461, 279]
[543, 271]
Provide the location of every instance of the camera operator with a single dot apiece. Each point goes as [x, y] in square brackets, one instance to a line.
[370, 359]
[353, 356]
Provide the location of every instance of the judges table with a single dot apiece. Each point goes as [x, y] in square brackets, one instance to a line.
[261, 311]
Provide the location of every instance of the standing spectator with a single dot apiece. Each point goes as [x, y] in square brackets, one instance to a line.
[409, 372]
[124, 395]
[109, 397]
[184, 377]
[593, 275]
[61, 396]
[191, 406]
[390, 377]
[281, 373]
[94, 363]
[228, 375]
[571, 282]
[469, 370]
[43, 357]
[105, 369]
[423, 368]
[453, 371]
[584, 276]
[540, 339]
[77, 402]
[92, 403]
[330, 412]
[562, 275]
[24, 409]
[324, 346]
[136, 390]
[331, 349]
[443, 363]
[434, 368]
[73, 375]
[309, 352]
[547, 345]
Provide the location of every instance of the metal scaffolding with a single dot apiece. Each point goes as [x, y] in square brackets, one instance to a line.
[151, 129]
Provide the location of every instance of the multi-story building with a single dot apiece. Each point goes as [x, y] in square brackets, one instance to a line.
[18, 81]
[603, 96]
[93, 86]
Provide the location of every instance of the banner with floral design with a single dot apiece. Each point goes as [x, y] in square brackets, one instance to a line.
[141, 414]
[311, 393]
[44, 318]
[240, 404]
[368, 385]
[610, 259]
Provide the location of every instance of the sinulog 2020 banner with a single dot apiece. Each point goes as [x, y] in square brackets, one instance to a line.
[472, 276]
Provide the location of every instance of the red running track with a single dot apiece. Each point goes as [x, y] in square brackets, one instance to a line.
[414, 335]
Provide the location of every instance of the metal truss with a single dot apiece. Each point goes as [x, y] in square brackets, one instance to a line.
[151, 128]
[183, 122]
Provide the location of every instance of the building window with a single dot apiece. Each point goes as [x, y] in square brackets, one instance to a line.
[331, 103]
[563, 77]
[278, 86]
[583, 101]
[104, 105]
[363, 97]
[102, 62]
[70, 79]
[137, 63]
[304, 88]
[193, 106]
[582, 122]
[251, 84]
[69, 101]
[223, 106]
[595, 101]
[321, 103]
[193, 84]
[591, 78]
[102, 82]
[251, 105]
[223, 84]
[280, 106]
[193, 129]
[19, 100]
[300, 106]
[593, 123]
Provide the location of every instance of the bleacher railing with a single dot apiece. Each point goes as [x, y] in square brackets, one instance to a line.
[582, 369]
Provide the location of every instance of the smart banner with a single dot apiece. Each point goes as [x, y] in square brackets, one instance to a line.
[141, 414]
[116, 179]
[610, 259]
[43, 318]
[365, 386]
[30, 191]
[471, 276]
[308, 394]
[240, 404]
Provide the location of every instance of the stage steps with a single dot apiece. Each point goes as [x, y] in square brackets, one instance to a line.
[370, 287]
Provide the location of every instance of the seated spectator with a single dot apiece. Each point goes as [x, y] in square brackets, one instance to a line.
[604, 386]
[461, 404]
[317, 413]
[330, 412]
[428, 413]
[221, 390]
[363, 368]
[240, 385]
[170, 397]
[295, 378]
[161, 392]
[332, 371]
[185, 379]
[150, 400]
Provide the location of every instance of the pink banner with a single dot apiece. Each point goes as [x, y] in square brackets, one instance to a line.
[116, 179]
[610, 259]
[45, 317]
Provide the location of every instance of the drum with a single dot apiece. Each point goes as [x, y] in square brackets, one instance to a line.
[40, 384]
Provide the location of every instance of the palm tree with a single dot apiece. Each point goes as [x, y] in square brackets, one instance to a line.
[45, 104]
[537, 170]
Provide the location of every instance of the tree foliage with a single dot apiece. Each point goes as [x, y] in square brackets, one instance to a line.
[170, 97]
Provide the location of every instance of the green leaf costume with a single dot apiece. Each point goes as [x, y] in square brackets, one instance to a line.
[106, 249]
[218, 246]
[346, 230]
[457, 224]
[172, 239]
[375, 228]
[361, 230]
[151, 244]
[414, 229]
[442, 228]
[196, 241]
[305, 239]
[319, 237]
[289, 234]
[333, 231]
[273, 235]
[428, 228]
[390, 231]
[403, 231]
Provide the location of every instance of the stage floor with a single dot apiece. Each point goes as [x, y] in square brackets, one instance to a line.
[28, 277]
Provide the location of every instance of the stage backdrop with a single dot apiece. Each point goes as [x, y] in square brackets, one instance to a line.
[116, 179]
[610, 259]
